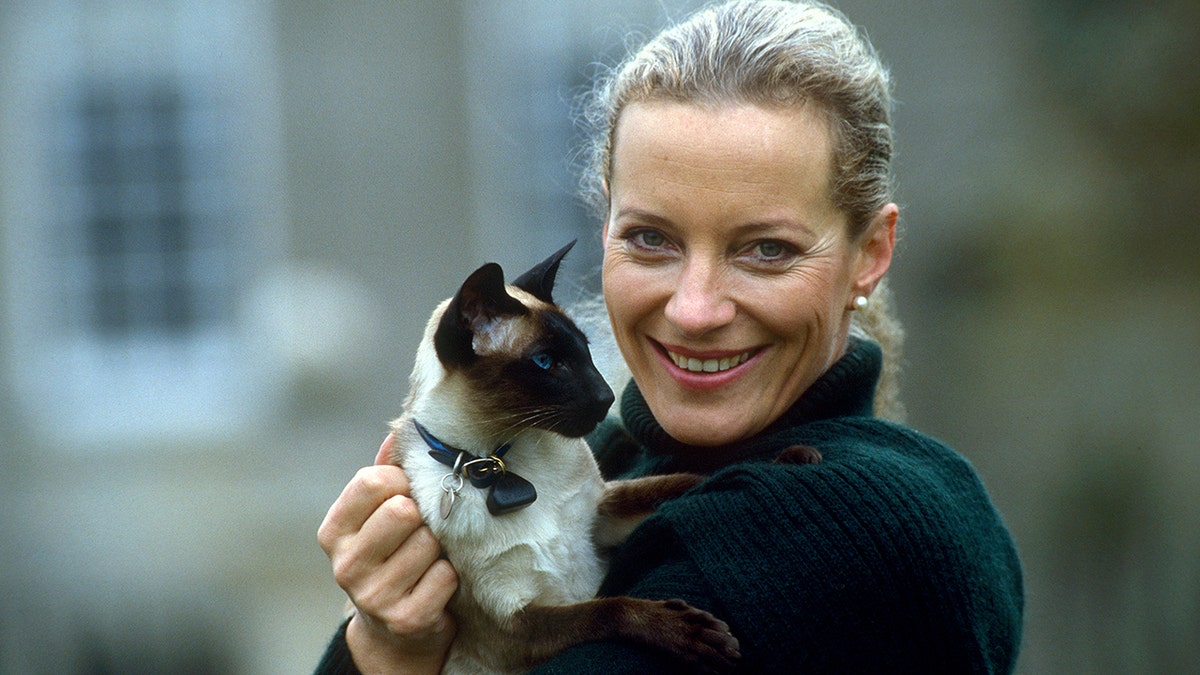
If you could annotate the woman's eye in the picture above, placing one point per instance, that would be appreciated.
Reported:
(649, 239)
(772, 251)
(648, 244)
(542, 360)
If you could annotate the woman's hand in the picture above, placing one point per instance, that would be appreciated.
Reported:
(389, 563)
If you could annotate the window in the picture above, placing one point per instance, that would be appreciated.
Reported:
(138, 191)
(129, 153)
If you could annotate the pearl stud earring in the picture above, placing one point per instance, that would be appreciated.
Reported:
(860, 301)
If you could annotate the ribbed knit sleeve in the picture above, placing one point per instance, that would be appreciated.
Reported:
(886, 557)
(337, 659)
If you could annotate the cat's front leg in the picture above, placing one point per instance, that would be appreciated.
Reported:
(671, 626)
(626, 503)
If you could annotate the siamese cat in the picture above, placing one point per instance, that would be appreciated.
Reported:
(502, 392)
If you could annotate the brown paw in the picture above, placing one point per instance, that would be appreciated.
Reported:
(799, 454)
(697, 637)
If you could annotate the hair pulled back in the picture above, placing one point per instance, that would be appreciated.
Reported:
(770, 53)
(773, 53)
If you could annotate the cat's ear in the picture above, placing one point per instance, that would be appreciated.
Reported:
(539, 281)
(477, 307)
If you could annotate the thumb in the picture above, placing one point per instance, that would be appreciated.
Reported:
(384, 456)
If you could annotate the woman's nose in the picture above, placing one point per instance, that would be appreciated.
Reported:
(699, 303)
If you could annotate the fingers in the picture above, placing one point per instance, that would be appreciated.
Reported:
(391, 548)
(400, 567)
(417, 612)
(362, 497)
(387, 560)
(433, 592)
(390, 525)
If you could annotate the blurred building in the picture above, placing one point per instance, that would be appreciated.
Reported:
(223, 224)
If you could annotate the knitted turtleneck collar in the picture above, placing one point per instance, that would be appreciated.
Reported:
(847, 389)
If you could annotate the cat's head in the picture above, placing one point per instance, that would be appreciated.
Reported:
(523, 361)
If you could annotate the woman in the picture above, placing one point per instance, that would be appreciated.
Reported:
(742, 166)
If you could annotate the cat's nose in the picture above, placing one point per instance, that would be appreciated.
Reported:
(592, 411)
(604, 401)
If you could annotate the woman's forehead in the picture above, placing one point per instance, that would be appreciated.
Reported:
(745, 150)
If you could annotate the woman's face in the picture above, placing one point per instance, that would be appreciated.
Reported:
(728, 273)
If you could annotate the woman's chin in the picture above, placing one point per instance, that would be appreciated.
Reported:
(690, 432)
(706, 419)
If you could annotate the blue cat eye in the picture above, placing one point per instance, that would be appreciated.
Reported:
(543, 360)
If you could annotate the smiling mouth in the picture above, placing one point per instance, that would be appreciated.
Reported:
(695, 365)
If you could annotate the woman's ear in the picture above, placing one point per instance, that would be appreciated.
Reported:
(875, 249)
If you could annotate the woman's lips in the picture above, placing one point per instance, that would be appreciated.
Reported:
(709, 365)
(707, 369)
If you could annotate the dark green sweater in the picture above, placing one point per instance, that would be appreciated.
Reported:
(887, 556)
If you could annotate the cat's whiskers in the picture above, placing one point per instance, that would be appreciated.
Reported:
(507, 425)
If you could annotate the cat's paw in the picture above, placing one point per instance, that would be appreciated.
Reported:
(697, 637)
(799, 454)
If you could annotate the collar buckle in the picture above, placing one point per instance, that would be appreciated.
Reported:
(507, 492)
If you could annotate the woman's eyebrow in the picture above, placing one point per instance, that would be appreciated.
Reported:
(643, 215)
(753, 226)
(768, 225)
(757, 227)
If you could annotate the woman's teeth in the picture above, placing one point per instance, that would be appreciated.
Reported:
(708, 365)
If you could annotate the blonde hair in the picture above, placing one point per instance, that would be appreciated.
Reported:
(773, 53)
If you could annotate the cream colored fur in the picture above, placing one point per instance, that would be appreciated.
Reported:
(542, 554)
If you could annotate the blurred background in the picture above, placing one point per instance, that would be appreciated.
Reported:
(224, 223)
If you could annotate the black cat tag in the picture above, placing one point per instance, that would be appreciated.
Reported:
(510, 493)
